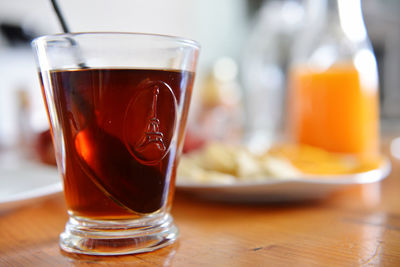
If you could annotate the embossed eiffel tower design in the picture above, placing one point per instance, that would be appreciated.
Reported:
(153, 134)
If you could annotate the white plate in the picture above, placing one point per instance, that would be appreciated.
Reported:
(23, 182)
(276, 190)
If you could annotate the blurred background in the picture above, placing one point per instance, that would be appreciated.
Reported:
(227, 31)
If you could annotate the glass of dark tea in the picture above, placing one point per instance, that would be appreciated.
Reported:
(117, 105)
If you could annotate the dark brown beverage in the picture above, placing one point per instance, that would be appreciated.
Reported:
(118, 127)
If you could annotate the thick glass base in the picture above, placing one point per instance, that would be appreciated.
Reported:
(107, 237)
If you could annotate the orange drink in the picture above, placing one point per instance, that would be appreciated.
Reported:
(334, 109)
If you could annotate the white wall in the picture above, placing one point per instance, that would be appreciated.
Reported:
(218, 25)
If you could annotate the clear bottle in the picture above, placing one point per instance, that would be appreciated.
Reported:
(333, 88)
(264, 68)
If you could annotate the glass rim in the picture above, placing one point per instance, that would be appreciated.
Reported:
(177, 39)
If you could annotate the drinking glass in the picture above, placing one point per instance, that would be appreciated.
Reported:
(117, 105)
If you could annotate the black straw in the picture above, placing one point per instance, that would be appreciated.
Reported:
(60, 16)
(66, 30)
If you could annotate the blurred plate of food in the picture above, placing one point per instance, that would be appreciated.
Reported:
(23, 182)
(27, 177)
(282, 173)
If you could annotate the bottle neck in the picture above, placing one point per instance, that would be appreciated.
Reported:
(343, 15)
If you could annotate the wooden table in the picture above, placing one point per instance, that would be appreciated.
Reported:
(356, 227)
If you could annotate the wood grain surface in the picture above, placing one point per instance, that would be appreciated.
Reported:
(359, 226)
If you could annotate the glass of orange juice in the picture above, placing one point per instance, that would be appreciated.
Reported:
(333, 82)
(334, 109)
